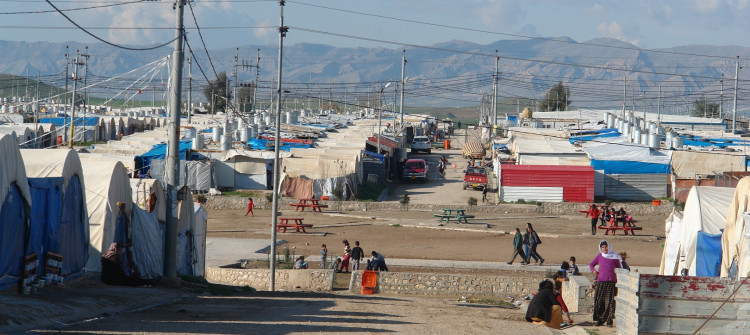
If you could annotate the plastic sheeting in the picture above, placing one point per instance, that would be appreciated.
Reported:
(148, 244)
(46, 195)
(735, 240)
(199, 236)
(13, 230)
(198, 175)
(708, 255)
(690, 164)
(146, 189)
(670, 257)
(628, 158)
(298, 188)
(705, 212)
(73, 232)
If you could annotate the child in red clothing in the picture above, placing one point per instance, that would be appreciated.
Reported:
(249, 207)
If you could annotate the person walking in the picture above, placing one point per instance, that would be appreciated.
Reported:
(603, 267)
(484, 193)
(534, 240)
(323, 256)
(593, 213)
(357, 255)
(250, 206)
(347, 255)
(527, 259)
(518, 248)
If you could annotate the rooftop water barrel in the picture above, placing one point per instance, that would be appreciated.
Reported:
(610, 122)
(677, 142)
(605, 116)
(289, 117)
(253, 131)
(226, 142)
(637, 135)
(198, 143)
(644, 138)
(244, 134)
(256, 118)
(190, 133)
(668, 140)
(240, 123)
(653, 141)
(626, 129)
(268, 118)
(216, 136)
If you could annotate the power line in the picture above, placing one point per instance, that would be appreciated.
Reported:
(101, 39)
(73, 9)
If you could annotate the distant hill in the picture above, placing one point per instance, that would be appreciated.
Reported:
(438, 77)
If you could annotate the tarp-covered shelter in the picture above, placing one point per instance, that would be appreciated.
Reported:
(735, 241)
(199, 236)
(189, 258)
(702, 220)
(328, 169)
(59, 218)
(548, 151)
(15, 202)
(691, 164)
(23, 135)
(245, 169)
(107, 184)
(628, 158)
(150, 195)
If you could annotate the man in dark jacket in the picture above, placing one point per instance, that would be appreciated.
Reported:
(357, 255)
(518, 248)
(542, 307)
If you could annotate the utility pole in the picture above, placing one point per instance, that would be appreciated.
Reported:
(85, 91)
(276, 169)
(172, 170)
(65, 103)
(705, 108)
(75, 88)
(38, 105)
(403, 87)
(213, 102)
(255, 89)
(658, 110)
(236, 80)
(624, 94)
(721, 99)
(643, 96)
(734, 108)
(190, 91)
(494, 93)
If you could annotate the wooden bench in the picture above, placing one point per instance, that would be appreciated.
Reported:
(296, 223)
(614, 229)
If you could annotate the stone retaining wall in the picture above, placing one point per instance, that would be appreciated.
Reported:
(550, 208)
(447, 284)
(316, 280)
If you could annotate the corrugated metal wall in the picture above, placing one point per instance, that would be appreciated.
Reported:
(635, 187)
(547, 194)
(599, 183)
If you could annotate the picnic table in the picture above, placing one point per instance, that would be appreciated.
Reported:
(296, 223)
(454, 213)
(614, 229)
(308, 203)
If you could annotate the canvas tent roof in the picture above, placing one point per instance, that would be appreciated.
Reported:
(705, 211)
(53, 163)
(14, 222)
(735, 241)
(689, 164)
(12, 169)
(107, 184)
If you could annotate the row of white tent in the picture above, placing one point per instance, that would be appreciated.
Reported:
(55, 200)
(711, 236)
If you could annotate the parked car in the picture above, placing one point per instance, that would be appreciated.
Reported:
(421, 143)
(416, 169)
(475, 177)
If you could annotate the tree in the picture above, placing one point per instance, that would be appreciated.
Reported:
(220, 92)
(556, 99)
(701, 107)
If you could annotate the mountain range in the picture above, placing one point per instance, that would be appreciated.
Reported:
(453, 73)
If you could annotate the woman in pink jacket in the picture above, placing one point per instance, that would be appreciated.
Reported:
(604, 296)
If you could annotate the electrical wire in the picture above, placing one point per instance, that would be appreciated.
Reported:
(73, 9)
(103, 40)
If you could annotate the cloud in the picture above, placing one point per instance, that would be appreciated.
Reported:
(264, 33)
(614, 30)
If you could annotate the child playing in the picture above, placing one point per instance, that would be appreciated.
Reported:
(336, 265)
(573, 267)
(323, 256)
(250, 207)
(300, 263)
(558, 295)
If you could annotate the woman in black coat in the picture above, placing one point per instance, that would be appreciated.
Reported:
(542, 307)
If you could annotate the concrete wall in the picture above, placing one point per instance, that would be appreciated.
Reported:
(653, 304)
(563, 208)
(578, 294)
(447, 284)
(316, 280)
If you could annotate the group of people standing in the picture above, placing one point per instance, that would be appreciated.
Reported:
(353, 256)
(525, 246)
(547, 306)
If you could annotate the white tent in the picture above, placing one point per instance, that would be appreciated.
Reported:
(190, 251)
(735, 241)
(199, 234)
(705, 211)
(107, 185)
(15, 201)
(144, 190)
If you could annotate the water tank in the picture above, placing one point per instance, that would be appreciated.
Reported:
(216, 136)
(261, 125)
(626, 129)
(637, 135)
(288, 118)
(3, 109)
(226, 142)
(618, 125)
(677, 142)
(668, 140)
(198, 143)
(269, 119)
(644, 138)
(653, 141)
(240, 123)
(244, 134)
(190, 133)
(652, 127)
(253, 131)
(256, 118)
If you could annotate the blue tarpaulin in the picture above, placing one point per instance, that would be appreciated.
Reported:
(261, 144)
(513, 119)
(13, 231)
(60, 121)
(46, 197)
(159, 151)
(630, 167)
(73, 242)
(708, 255)
(375, 155)
(593, 135)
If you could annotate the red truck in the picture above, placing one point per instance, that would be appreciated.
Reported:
(475, 177)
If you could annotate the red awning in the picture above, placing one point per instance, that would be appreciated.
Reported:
(384, 142)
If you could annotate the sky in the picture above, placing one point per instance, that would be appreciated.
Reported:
(353, 23)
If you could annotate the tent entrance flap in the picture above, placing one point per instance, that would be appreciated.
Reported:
(708, 255)
(13, 232)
